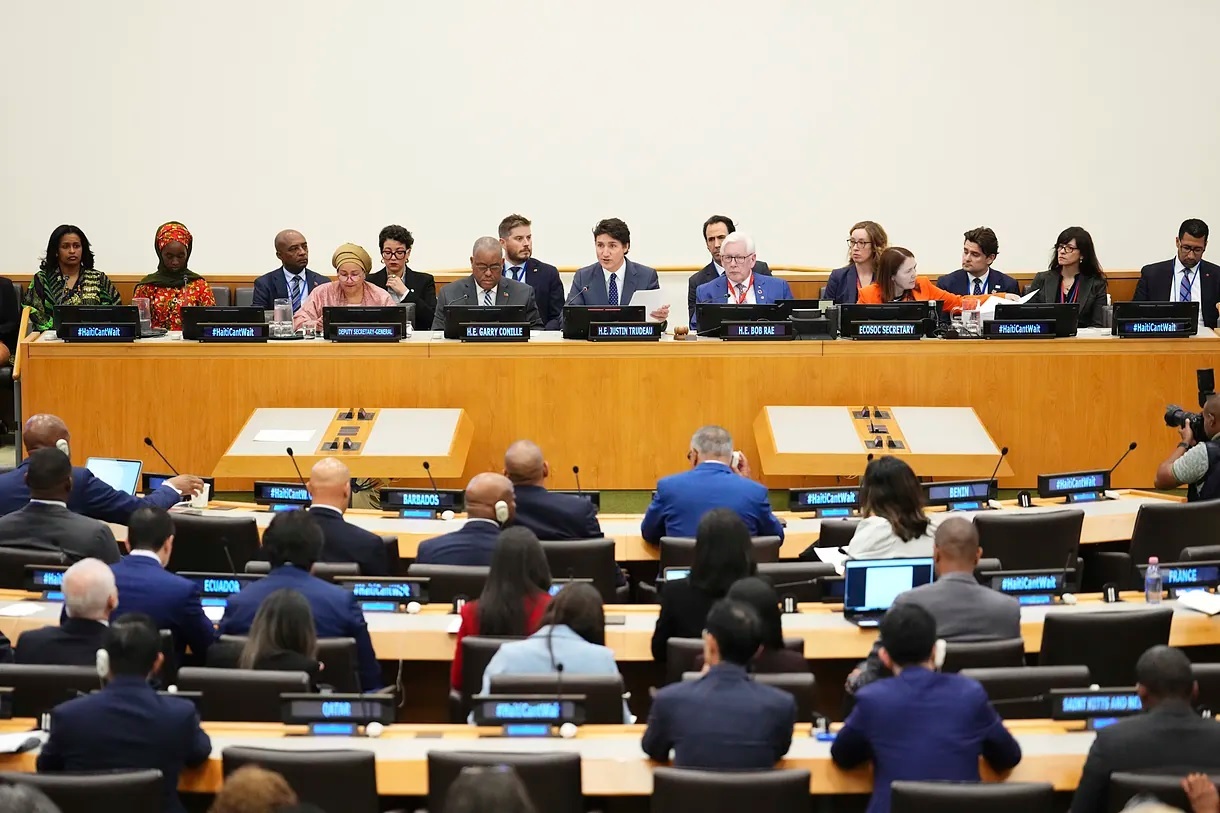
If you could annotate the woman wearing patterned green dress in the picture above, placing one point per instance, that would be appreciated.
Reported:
(67, 277)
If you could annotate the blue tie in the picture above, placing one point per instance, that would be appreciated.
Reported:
(613, 290)
(296, 292)
(1184, 289)
(978, 287)
(517, 273)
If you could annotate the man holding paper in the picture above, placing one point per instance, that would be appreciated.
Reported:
(614, 279)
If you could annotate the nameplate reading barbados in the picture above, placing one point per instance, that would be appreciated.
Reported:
(494, 332)
(624, 331)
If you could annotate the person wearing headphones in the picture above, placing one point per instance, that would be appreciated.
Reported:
(490, 505)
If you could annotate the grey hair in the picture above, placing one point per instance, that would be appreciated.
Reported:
(739, 237)
(88, 585)
(713, 441)
(487, 244)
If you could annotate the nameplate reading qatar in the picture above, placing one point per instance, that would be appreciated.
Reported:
(624, 331)
(494, 332)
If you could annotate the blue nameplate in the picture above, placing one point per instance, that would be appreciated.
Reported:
(233, 333)
(1019, 329)
(356, 332)
(756, 331)
(495, 332)
(624, 331)
(827, 502)
(98, 332)
(886, 330)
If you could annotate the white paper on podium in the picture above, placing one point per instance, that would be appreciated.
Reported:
(988, 307)
(283, 435)
(19, 610)
(651, 300)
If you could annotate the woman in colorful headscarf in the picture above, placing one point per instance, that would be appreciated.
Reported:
(173, 286)
(66, 276)
(352, 264)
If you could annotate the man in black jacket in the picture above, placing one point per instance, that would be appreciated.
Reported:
(330, 488)
(1185, 278)
(715, 229)
(90, 597)
(548, 515)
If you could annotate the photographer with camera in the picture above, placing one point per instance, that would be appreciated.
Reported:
(1196, 460)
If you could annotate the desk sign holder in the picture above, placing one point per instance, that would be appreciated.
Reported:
(756, 331)
(421, 503)
(234, 334)
(963, 495)
(1080, 486)
(872, 331)
(1155, 328)
(495, 332)
(99, 332)
(1186, 576)
(1031, 587)
(528, 715)
(825, 502)
(366, 332)
(625, 331)
(336, 714)
(385, 595)
(1019, 329)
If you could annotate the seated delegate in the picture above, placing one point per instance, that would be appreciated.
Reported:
(66, 276)
(715, 229)
(1074, 275)
(350, 288)
(487, 286)
(1185, 278)
(283, 637)
(898, 280)
(520, 264)
(976, 277)
(293, 280)
(90, 597)
(772, 656)
(866, 242)
(173, 285)
(894, 525)
(740, 285)
(403, 283)
(490, 505)
(613, 279)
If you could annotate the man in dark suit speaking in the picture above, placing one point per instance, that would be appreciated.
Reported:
(486, 286)
(330, 489)
(715, 229)
(1185, 278)
(613, 278)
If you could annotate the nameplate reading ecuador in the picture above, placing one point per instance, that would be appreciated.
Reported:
(624, 331)
(368, 332)
(100, 332)
(1155, 328)
(887, 330)
(1019, 329)
(233, 333)
(756, 331)
(494, 332)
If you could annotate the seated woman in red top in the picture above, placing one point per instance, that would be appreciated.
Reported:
(514, 598)
(173, 285)
(897, 280)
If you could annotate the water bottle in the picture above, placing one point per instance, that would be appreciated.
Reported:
(1152, 581)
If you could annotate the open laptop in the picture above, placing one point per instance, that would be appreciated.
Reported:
(119, 474)
(871, 585)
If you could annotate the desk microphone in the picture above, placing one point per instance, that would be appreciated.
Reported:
(998, 463)
(576, 472)
(293, 458)
(1130, 449)
(573, 296)
(148, 442)
(435, 490)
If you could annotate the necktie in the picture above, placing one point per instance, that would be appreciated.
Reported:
(614, 290)
(517, 273)
(978, 287)
(487, 299)
(296, 292)
(1184, 289)
(741, 292)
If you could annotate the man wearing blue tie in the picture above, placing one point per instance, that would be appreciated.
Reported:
(614, 278)
(1185, 278)
(517, 237)
(292, 280)
(976, 277)
(740, 285)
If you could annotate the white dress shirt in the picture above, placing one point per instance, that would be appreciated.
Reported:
(719, 268)
(479, 294)
(1179, 271)
(731, 293)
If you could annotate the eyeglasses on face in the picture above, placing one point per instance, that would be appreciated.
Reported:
(859, 243)
(1066, 248)
(1193, 250)
(483, 269)
(394, 253)
(734, 259)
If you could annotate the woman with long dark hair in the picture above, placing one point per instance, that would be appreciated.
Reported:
(282, 637)
(66, 276)
(1074, 275)
(892, 504)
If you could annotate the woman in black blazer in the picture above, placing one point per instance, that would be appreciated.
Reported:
(772, 657)
(1074, 275)
(282, 638)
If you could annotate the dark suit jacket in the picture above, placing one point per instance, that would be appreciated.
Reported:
(471, 545)
(842, 286)
(465, 292)
(1169, 737)
(771, 662)
(1091, 295)
(548, 290)
(681, 500)
(10, 314)
(226, 654)
(421, 290)
(74, 642)
(272, 286)
(127, 726)
(54, 525)
(345, 542)
(636, 277)
(683, 612)
(721, 721)
(958, 282)
(923, 725)
(1156, 282)
(708, 273)
(90, 496)
(335, 614)
(170, 600)
(556, 516)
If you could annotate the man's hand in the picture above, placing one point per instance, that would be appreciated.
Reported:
(740, 464)
(1012, 297)
(661, 313)
(187, 484)
(1202, 793)
(1188, 434)
(395, 285)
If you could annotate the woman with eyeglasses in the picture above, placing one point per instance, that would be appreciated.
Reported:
(352, 264)
(1074, 275)
(866, 243)
(405, 284)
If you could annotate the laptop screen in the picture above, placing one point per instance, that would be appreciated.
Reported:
(871, 585)
(121, 475)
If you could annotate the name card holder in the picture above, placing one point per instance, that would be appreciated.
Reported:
(366, 332)
(1079, 486)
(625, 331)
(98, 332)
(757, 331)
(1019, 329)
(236, 334)
(1155, 328)
(872, 331)
(495, 332)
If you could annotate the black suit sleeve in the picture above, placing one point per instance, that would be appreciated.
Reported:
(107, 547)
(692, 284)
(425, 305)
(531, 310)
(10, 314)
(1094, 782)
(1094, 316)
(593, 528)
(554, 305)
(262, 294)
(1141, 287)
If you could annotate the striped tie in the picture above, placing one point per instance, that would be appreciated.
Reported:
(296, 292)
(1184, 288)
(487, 299)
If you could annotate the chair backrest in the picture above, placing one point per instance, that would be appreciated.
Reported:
(679, 551)
(40, 687)
(682, 789)
(983, 654)
(1166, 787)
(1207, 675)
(14, 560)
(1020, 692)
(329, 571)
(168, 674)
(680, 655)
(445, 582)
(240, 695)
(969, 797)
(786, 573)
(332, 780)
(584, 559)
(207, 544)
(1109, 643)
(340, 669)
(477, 652)
(836, 533)
(244, 297)
(136, 791)
(552, 780)
(1040, 541)
(603, 693)
(392, 555)
(221, 293)
(1201, 553)
(1164, 529)
(801, 685)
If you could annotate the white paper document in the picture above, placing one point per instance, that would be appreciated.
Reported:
(19, 609)
(284, 435)
(15, 743)
(1200, 601)
(988, 307)
(651, 300)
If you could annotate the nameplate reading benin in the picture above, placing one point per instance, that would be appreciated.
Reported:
(624, 331)
(100, 332)
(756, 331)
(233, 333)
(1019, 329)
(367, 332)
(888, 330)
(495, 332)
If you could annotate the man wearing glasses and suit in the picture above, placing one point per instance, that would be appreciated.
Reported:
(486, 286)
(740, 285)
(1185, 278)
(715, 230)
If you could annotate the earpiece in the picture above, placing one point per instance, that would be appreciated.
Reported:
(938, 653)
(567, 730)
(501, 512)
(1068, 598)
(101, 661)
(62, 445)
(1023, 499)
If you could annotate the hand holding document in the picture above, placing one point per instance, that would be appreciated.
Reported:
(655, 302)
(988, 307)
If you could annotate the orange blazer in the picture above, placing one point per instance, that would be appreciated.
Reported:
(922, 292)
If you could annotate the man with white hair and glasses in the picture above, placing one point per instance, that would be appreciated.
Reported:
(740, 285)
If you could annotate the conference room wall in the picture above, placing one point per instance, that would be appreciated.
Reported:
(797, 118)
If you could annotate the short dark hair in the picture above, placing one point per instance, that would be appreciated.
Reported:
(723, 552)
(728, 223)
(50, 260)
(614, 228)
(1194, 227)
(985, 239)
(759, 594)
(511, 222)
(396, 233)
(579, 607)
(1166, 673)
(293, 538)
(908, 633)
(132, 643)
(478, 789)
(149, 527)
(48, 469)
(737, 630)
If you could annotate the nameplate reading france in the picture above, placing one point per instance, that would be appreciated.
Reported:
(624, 331)
(101, 332)
(357, 332)
(495, 332)
(233, 333)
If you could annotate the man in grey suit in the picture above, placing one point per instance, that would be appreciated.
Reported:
(486, 286)
(613, 278)
(46, 523)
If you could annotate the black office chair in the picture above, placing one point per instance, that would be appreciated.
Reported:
(333, 780)
(206, 544)
(1039, 541)
(603, 693)
(40, 687)
(329, 571)
(676, 790)
(129, 791)
(795, 574)
(1020, 692)
(836, 533)
(240, 695)
(446, 582)
(392, 555)
(586, 559)
(1201, 553)
(340, 667)
(1162, 530)
(970, 797)
(477, 652)
(14, 559)
(680, 655)
(1109, 643)
(552, 780)
(679, 551)
(1207, 675)
(983, 654)
(1166, 787)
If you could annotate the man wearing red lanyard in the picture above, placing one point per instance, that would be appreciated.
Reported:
(740, 285)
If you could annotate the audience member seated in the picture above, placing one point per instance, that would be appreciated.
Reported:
(740, 285)
(350, 288)
(715, 480)
(715, 230)
(572, 636)
(145, 586)
(723, 554)
(282, 638)
(1074, 275)
(293, 542)
(127, 726)
(723, 720)
(251, 789)
(514, 598)
(772, 657)
(481, 790)
(173, 285)
(330, 488)
(976, 277)
(490, 505)
(45, 523)
(90, 496)
(1185, 278)
(89, 598)
(1170, 737)
(865, 243)
(486, 286)
(406, 285)
(894, 525)
(66, 276)
(898, 280)
(921, 725)
(292, 280)
(548, 515)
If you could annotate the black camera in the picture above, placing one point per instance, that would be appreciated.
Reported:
(1177, 417)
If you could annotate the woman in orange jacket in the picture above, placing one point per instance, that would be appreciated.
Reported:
(897, 280)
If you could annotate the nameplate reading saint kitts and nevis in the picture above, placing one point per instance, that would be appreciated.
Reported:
(624, 331)
(494, 332)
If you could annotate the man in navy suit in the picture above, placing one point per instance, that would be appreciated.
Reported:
(723, 720)
(145, 586)
(127, 726)
(519, 264)
(740, 284)
(715, 229)
(613, 278)
(292, 280)
(920, 725)
(1185, 278)
(715, 480)
(490, 505)
(976, 277)
(90, 596)
(293, 542)
(548, 515)
(330, 489)
(90, 496)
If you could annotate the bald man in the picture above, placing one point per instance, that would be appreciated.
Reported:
(490, 505)
(549, 516)
(292, 280)
(330, 487)
(89, 496)
(1195, 462)
(486, 286)
(90, 596)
